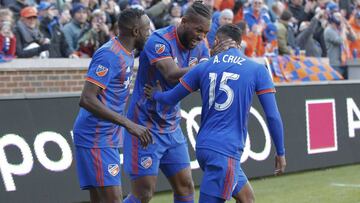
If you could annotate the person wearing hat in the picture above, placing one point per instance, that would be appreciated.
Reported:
(337, 34)
(50, 28)
(76, 26)
(282, 32)
(30, 42)
(16, 7)
(355, 24)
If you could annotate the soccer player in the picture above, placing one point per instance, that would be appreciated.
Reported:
(168, 54)
(98, 127)
(227, 83)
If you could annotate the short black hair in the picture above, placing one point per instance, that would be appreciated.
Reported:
(198, 8)
(232, 31)
(242, 26)
(129, 18)
(286, 15)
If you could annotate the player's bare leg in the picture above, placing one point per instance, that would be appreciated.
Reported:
(245, 195)
(142, 189)
(109, 194)
(94, 196)
(182, 185)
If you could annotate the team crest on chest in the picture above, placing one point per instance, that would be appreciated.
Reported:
(101, 71)
(113, 169)
(159, 48)
(193, 61)
(146, 162)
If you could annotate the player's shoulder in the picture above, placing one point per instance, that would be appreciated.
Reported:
(164, 34)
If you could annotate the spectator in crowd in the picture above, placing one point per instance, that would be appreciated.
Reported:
(271, 43)
(7, 37)
(65, 17)
(257, 17)
(282, 33)
(276, 10)
(237, 6)
(50, 28)
(224, 17)
(300, 12)
(251, 44)
(77, 26)
(336, 34)
(319, 31)
(96, 36)
(355, 45)
(174, 15)
(29, 40)
(16, 7)
(305, 39)
(156, 10)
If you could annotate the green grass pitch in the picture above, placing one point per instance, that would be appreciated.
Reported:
(334, 185)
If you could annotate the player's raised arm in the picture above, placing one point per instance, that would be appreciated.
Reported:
(90, 102)
(275, 124)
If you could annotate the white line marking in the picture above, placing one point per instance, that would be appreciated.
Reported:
(345, 185)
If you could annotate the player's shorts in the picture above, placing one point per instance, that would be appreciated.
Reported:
(169, 153)
(222, 174)
(97, 167)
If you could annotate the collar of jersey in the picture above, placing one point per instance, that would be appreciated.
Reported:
(121, 46)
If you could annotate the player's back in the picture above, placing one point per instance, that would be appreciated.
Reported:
(228, 82)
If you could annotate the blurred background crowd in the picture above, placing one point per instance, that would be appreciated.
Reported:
(76, 28)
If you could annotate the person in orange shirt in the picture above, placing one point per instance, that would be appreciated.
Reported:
(355, 25)
(252, 44)
(237, 6)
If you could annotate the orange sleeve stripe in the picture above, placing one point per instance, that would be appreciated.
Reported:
(266, 91)
(95, 82)
(159, 59)
(185, 85)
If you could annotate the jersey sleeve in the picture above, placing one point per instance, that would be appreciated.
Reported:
(102, 68)
(191, 80)
(157, 49)
(264, 83)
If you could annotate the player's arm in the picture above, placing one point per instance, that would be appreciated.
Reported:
(90, 102)
(171, 97)
(275, 124)
(170, 71)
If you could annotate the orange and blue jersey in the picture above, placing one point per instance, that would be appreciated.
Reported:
(227, 82)
(162, 44)
(111, 69)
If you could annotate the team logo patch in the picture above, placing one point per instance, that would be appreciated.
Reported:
(159, 48)
(101, 71)
(193, 61)
(146, 162)
(113, 169)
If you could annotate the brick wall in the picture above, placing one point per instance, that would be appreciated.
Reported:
(41, 76)
(42, 81)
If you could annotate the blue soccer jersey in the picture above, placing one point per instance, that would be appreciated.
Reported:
(228, 82)
(162, 44)
(111, 69)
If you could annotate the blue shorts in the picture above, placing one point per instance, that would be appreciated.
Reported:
(169, 153)
(222, 174)
(97, 167)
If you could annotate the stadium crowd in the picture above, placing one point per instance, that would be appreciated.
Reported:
(76, 28)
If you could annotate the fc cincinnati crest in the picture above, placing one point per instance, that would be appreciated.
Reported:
(159, 48)
(101, 71)
(146, 162)
(193, 61)
(113, 169)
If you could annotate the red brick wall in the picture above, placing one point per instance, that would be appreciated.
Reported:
(40, 81)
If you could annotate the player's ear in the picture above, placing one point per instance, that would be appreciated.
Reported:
(135, 31)
(216, 41)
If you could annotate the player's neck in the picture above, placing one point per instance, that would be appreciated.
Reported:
(179, 33)
(127, 42)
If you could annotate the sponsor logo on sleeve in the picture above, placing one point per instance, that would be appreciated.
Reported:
(159, 48)
(101, 71)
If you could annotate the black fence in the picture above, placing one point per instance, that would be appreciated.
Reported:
(321, 121)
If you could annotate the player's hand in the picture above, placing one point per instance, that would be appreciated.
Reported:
(280, 164)
(223, 45)
(142, 133)
(149, 90)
